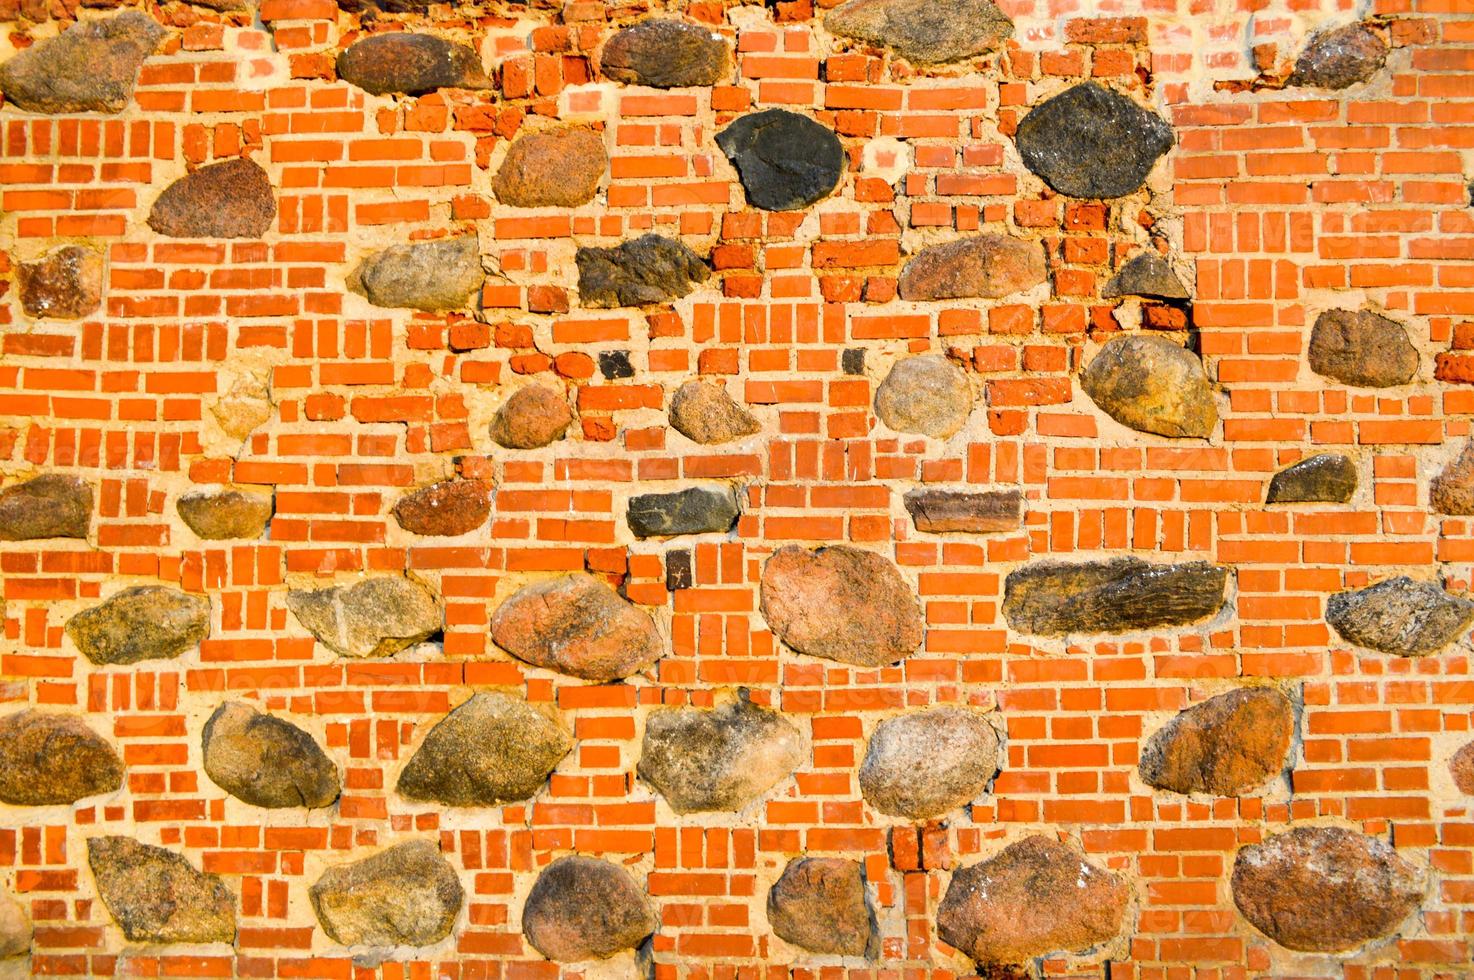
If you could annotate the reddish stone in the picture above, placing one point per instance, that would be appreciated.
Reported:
(447, 508)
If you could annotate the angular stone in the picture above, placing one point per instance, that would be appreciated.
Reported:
(785, 161)
(231, 199)
(1120, 595)
(534, 417)
(1452, 491)
(1146, 274)
(493, 749)
(1037, 896)
(1322, 478)
(583, 908)
(665, 53)
(15, 928)
(47, 759)
(405, 895)
(220, 515)
(410, 64)
(922, 31)
(1324, 889)
(444, 274)
(1225, 746)
(703, 412)
(645, 270)
(578, 626)
(92, 66)
(841, 603)
(1089, 141)
(51, 505)
(820, 905)
(446, 509)
(986, 266)
(556, 168)
(64, 284)
(1400, 616)
(245, 406)
(718, 759)
(941, 511)
(376, 617)
(146, 622)
(1340, 58)
(266, 761)
(1152, 385)
(157, 896)
(926, 395)
(695, 510)
(1461, 768)
(923, 764)
(1362, 348)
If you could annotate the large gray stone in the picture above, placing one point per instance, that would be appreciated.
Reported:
(1120, 595)
(231, 199)
(1322, 478)
(1089, 141)
(703, 412)
(923, 764)
(942, 511)
(48, 759)
(664, 53)
(146, 622)
(64, 284)
(555, 168)
(582, 908)
(720, 758)
(820, 904)
(411, 64)
(51, 505)
(985, 266)
(785, 161)
(577, 626)
(1400, 616)
(444, 274)
(1362, 349)
(1224, 746)
(640, 272)
(223, 515)
(92, 66)
(923, 31)
(1340, 58)
(1146, 274)
(405, 895)
(266, 761)
(376, 617)
(1152, 385)
(695, 510)
(925, 395)
(157, 896)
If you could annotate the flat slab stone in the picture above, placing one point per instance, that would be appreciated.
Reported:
(51, 505)
(1146, 274)
(922, 31)
(1340, 58)
(718, 759)
(231, 199)
(410, 64)
(146, 622)
(223, 515)
(1452, 490)
(1120, 595)
(1322, 478)
(91, 66)
(924, 764)
(376, 617)
(447, 508)
(1091, 142)
(48, 759)
(558, 168)
(695, 510)
(64, 284)
(405, 895)
(266, 761)
(577, 626)
(785, 161)
(493, 749)
(444, 274)
(703, 412)
(1400, 616)
(1225, 746)
(820, 904)
(1152, 385)
(983, 512)
(924, 395)
(157, 896)
(582, 908)
(640, 272)
(1362, 349)
(664, 53)
(980, 266)
(534, 417)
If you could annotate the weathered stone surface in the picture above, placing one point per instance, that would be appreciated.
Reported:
(583, 908)
(1322, 478)
(1461, 767)
(1121, 595)
(1225, 746)
(1400, 616)
(926, 395)
(15, 928)
(157, 896)
(923, 31)
(785, 161)
(51, 505)
(219, 515)
(721, 758)
(146, 622)
(410, 64)
(925, 763)
(1452, 491)
(1340, 58)
(92, 66)
(493, 749)
(447, 508)
(230, 199)
(48, 758)
(987, 266)
(941, 511)
(645, 270)
(444, 274)
(703, 412)
(1362, 348)
(1036, 896)
(1152, 385)
(841, 603)
(664, 53)
(578, 626)
(820, 905)
(406, 895)
(535, 416)
(695, 510)
(245, 406)
(1146, 274)
(266, 761)
(556, 168)
(1089, 141)
(1324, 889)
(376, 617)
(64, 284)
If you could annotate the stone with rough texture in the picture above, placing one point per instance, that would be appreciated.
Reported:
(1152, 385)
(1461, 768)
(983, 512)
(1400, 616)
(923, 31)
(1340, 58)
(266, 761)
(447, 508)
(923, 764)
(157, 896)
(665, 53)
(444, 274)
(92, 66)
(47, 758)
(534, 417)
(640, 272)
(1036, 896)
(819, 904)
(1224, 746)
(583, 908)
(15, 928)
(64, 284)
(1362, 348)
(982, 266)
(410, 64)
(220, 515)
(1322, 478)
(376, 617)
(578, 626)
(51, 505)
(695, 510)
(1452, 490)
(230, 199)
(1089, 141)
(785, 161)
(493, 749)
(556, 168)
(1120, 595)
(405, 895)
(718, 759)
(703, 412)
(146, 622)
(841, 603)
(1146, 274)
(925, 395)
(1324, 889)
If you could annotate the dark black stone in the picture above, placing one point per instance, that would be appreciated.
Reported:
(1091, 142)
(645, 270)
(615, 364)
(853, 360)
(695, 510)
(786, 161)
(1323, 478)
(1117, 596)
(679, 571)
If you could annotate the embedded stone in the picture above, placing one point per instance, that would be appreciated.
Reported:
(376, 617)
(1322, 478)
(557, 168)
(15, 928)
(645, 270)
(446, 509)
(819, 904)
(1324, 889)
(785, 161)
(410, 64)
(578, 626)
(1362, 349)
(1146, 274)
(921, 31)
(1461, 768)
(64, 284)
(1400, 616)
(92, 66)
(1152, 385)
(665, 53)
(266, 761)
(942, 511)
(157, 896)
(534, 417)
(1121, 595)
(841, 603)
(246, 404)
(583, 908)
(1452, 491)
(718, 759)
(1340, 58)
(220, 515)
(1037, 896)
(926, 395)
(703, 412)
(444, 274)
(231, 199)
(48, 759)
(146, 622)
(493, 749)
(926, 763)
(405, 895)
(1089, 141)
(986, 266)
(1225, 746)
(695, 510)
(51, 505)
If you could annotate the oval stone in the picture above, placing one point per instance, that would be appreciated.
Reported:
(820, 904)
(785, 161)
(924, 32)
(92, 66)
(491, 750)
(1400, 616)
(146, 622)
(1152, 385)
(64, 284)
(51, 505)
(1091, 142)
(1120, 595)
(444, 274)
(447, 508)
(231, 199)
(577, 626)
(1362, 349)
(695, 510)
(718, 759)
(557, 168)
(410, 64)
(981, 266)
(222, 515)
(376, 617)
(534, 417)
(1322, 478)
(665, 53)
(266, 761)
(841, 603)
(157, 896)
(646, 270)
(1340, 58)
(582, 908)
(1461, 768)
(925, 395)
(405, 895)
(924, 764)
(1226, 746)
(703, 412)
(47, 759)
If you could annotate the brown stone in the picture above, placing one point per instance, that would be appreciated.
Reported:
(1461, 767)
(493, 749)
(819, 904)
(535, 416)
(266, 761)
(231, 199)
(556, 168)
(665, 53)
(925, 395)
(1452, 491)
(1119, 595)
(982, 266)
(376, 617)
(410, 64)
(984, 512)
(703, 412)
(47, 759)
(157, 896)
(1340, 58)
(15, 928)
(64, 284)
(443, 274)
(583, 908)
(923, 764)
(92, 66)
(448, 508)
(1362, 349)
(1225, 746)
(922, 31)
(1152, 385)
(640, 272)
(51, 505)
(577, 626)
(405, 895)
(1146, 274)
(146, 622)
(222, 515)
